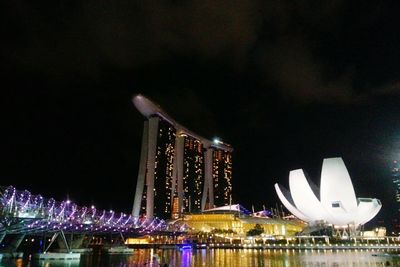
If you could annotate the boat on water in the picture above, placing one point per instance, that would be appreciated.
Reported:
(186, 246)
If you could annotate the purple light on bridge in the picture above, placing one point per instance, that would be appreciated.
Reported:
(29, 213)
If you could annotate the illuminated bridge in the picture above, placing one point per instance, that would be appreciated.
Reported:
(23, 213)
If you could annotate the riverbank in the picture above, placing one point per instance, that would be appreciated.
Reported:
(278, 246)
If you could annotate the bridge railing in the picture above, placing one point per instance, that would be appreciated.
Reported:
(33, 213)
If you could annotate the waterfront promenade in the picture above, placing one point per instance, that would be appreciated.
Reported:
(223, 258)
(357, 246)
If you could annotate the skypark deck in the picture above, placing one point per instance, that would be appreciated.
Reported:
(149, 108)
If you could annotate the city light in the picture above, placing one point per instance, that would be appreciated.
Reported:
(53, 216)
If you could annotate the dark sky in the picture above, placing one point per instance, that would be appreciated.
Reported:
(287, 83)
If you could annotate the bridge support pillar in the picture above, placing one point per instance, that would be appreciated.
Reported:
(14, 244)
(70, 242)
(77, 241)
(61, 243)
(2, 235)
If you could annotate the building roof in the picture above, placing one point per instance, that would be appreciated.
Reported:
(230, 208)
(261, 220)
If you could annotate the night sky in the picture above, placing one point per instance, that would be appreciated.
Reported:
(287, 83)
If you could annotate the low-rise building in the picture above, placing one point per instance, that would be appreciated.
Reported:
(233, 219)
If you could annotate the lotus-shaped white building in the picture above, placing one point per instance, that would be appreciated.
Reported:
(334, 203)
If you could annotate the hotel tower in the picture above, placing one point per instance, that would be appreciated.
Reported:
(179, 171)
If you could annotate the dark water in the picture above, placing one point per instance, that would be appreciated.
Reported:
(222, 257)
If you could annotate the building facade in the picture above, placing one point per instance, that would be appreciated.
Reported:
(193, 174)
(396, 181)
(240, 225)
(179, 171)
(333, 203)
(222, 177)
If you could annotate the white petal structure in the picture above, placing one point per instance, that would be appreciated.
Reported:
(335, 203)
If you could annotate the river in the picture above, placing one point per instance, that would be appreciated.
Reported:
(221, 257)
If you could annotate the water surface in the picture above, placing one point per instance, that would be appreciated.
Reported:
(221, 257)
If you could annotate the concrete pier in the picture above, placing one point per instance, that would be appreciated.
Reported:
(57, 256)
(118, 250)
(75, 250)
(11, 255)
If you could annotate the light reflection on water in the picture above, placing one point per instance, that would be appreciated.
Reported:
(221, 257)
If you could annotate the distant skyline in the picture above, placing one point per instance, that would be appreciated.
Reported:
(287, 84)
